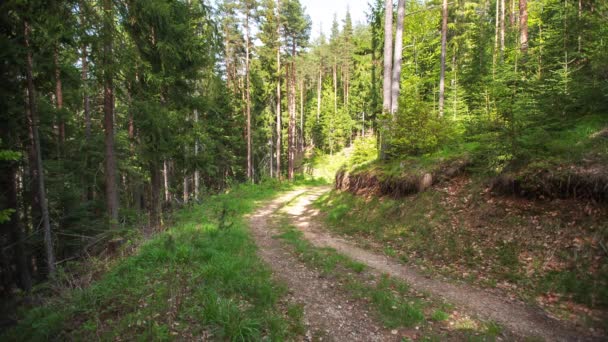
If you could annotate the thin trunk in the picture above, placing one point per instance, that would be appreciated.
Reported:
(248, 100)
(59, 97)
(291, 81)
(35, 122)
(580, 16)
(396, 81)
(444, 35)
(166, 182)
(496, 35)
(388, 55)
(186, 193)
(302, 116)
(196, 171)
(108, 122)
(155, 205)
(319, 86)
(523, 25)
(502, 29)
(85, 96)
(335, 91)
(278, 144)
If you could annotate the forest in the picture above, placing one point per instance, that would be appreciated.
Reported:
(138, 138)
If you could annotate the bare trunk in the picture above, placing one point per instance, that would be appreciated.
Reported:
(396, 81)
(580, 17)
(34, 122)
(444, 34)
(279, 126)
(248, 101)
(388, 55)
(186, 193)
(155, 205)
(108, 122)
(523, 25)
(291, 104)
(335, 90)
(496, 35)
(166, 182)
(59, 97)
(301, 116)
(319, 88)
(502, 29)
(85, 96)
(196, 172)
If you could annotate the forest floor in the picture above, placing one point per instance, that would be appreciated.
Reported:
(352, 293)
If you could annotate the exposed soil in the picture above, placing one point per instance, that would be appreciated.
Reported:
(521, 319)
(329, 314)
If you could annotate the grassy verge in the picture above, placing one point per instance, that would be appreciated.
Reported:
(397, 306)
(194, 279)
(549, 253)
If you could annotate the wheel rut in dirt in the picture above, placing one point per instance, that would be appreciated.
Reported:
(328, 312)
(521, 319)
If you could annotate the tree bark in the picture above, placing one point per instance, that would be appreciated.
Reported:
(196, 171)
(155, 205)
(248, 100)
(108, 118)
(59, 97)
(502, 29)
(523, 25)
(388, 55)
(279, 126)
(396, 81)
(166, 182)
(291, 104)
(496, 37)
(319, 86)
(444, 35)
(34, 122)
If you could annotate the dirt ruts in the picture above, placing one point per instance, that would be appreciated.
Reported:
(337, 316)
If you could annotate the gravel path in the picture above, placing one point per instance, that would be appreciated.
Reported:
(521, 319)
(329, 314)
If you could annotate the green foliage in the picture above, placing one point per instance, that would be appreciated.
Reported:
(190, 279)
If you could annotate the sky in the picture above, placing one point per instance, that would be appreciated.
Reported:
(322, 12)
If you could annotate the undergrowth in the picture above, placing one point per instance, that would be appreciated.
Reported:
(193, 279)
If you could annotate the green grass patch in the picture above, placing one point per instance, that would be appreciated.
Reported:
(191, 280)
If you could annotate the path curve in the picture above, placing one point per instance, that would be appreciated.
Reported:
(328, 313)
(521, 319)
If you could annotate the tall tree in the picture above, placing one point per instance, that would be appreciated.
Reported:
(444, 38)
(397, 59)
(388, 55)
(34, 122)
(108, 113)
(523, 25)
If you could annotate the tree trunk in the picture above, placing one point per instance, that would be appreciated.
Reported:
(86, 105)
(291, 104)
(301, 116)
(319, 86)
(155, 205)
(523, 25)
(279, 126)
(248, 100)
(59, 97)
(496, 35)
(502, 29)
(388, 55)
(196, 171)
(108, 121)
(34, 122)
(166, 182)
(396, 81)
(444, 37)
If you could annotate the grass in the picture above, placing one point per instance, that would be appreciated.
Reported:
(491, 244)
(394, 302)
(191, 280)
